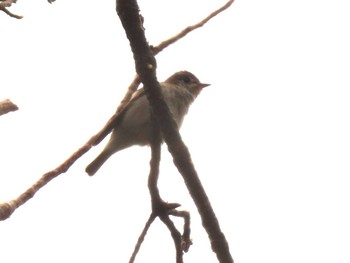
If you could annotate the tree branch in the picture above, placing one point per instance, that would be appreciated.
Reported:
(142, 237)
(159, 208)
(186, 241)
(175, 234)
(188, 29)
(145, 62)
(7, 106)
(8, 3)
(7, 208)
(155, 49)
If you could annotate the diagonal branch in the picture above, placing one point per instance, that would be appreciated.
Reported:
(8, 3)
(142, 237)
(156, 49)
(188, 29)
(6, 209)
(175, 235)
(146, 69)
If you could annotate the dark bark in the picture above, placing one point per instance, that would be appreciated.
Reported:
(128, 12)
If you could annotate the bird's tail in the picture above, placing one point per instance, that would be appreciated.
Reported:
(96, 164)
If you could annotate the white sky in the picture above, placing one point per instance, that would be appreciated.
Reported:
(269, 138)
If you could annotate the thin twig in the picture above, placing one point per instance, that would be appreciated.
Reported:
(145, 62)
(186, 239)
(6, 209)
(175, 234)
(7, 106)
(188, 29)
(142, 237)
(8, 3)
(156, 50)
(159, 208)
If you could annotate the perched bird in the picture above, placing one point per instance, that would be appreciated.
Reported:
(134, 126)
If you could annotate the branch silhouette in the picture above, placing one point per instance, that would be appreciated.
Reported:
(7, 208)
(7, 106)
(155, 49)
(7, 3)
(145, 63)
(159, 207)
(145, 67)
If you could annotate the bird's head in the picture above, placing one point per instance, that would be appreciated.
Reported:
(187, 80)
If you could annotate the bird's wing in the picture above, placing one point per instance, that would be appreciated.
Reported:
(116, 118)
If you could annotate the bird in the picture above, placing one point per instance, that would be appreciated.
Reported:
(134, 126)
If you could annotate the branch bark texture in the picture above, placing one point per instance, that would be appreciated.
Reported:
(128, 12)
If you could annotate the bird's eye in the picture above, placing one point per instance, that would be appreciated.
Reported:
(186, 79)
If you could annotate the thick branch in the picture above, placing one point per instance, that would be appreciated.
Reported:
(128, 12)
(156, 49)
(6, 209)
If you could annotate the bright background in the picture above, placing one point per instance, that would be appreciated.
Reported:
(270, 137)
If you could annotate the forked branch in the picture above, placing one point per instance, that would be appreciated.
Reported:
(155, 49)
(145, 62)
(159, 207)
(6, 209)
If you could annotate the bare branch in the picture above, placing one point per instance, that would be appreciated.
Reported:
(186, 241)
(7, 106)
(156, 49)
(175, 235)
(8, 3)
(146, 69)
(6, 209)
(142, 237)
(188, 29)
(159, 208)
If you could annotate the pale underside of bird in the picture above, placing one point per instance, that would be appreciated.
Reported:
(134, 126)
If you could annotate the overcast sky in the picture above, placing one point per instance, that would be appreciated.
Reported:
(269, 137)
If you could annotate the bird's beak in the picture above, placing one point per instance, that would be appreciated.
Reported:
(203, 85)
